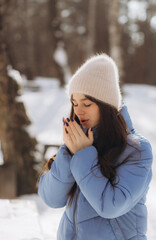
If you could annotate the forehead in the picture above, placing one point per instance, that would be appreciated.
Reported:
(79, 97)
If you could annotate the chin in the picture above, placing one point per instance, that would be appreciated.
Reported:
(86, 126)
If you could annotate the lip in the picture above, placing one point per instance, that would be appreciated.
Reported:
(84, 121)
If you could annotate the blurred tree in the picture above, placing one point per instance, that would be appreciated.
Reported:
(91, 28)
(35, 29)
(72, 15)
(17, 146)
(84, 29)
(138, 41)
(97, 27)
(31, 38)
(102, 27)
(115, 35)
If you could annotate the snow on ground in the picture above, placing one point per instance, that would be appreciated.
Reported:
(19, 220)
(46, 104)
(46, 107)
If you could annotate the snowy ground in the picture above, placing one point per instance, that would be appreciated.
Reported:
(46, 108)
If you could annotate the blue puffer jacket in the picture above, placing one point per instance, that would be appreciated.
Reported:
(100, 211)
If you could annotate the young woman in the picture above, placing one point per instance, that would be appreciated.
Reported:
(103, 170)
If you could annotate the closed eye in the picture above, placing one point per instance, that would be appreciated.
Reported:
(74, 105)
(87, 105)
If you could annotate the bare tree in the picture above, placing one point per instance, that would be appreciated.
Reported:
(91, 28)
(84, 27)
(31, 39)
(102, 26)
(17, 146)
(114, 34)
(97, 27)
(73, 30)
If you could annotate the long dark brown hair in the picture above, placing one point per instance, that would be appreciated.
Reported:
(110, 143)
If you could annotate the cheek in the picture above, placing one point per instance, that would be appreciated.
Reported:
(75, 111)
(97, 116)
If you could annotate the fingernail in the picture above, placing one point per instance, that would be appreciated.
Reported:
(67, 124)
(66, 130)
(72, 119)
(68, 119)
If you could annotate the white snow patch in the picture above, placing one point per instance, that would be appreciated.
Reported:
(15, 75)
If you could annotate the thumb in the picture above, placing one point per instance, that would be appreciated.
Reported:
(90, 135)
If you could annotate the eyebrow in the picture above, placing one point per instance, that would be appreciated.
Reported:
(83, 99)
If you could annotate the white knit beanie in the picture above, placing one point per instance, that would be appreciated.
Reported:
(97, 77)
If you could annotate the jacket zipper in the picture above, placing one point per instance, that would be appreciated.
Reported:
(75, 215)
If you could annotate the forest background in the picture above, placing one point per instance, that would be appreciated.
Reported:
(33, 33)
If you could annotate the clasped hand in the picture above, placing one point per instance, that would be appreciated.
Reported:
(74, 137)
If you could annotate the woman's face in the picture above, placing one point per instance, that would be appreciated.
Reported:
(87, 111)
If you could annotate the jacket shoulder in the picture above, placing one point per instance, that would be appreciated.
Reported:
(139, 145)
(139, 141)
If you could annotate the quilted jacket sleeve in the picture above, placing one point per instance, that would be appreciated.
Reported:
(134, 179)
(56, 183)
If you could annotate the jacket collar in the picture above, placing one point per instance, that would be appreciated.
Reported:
(125, 114)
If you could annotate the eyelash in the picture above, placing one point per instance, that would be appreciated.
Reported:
(74, 105)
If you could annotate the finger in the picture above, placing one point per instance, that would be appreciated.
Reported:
(71, 132)
(66, 136)
(64, 123)
(90, 135)
(63, 127)
(68, 141)
(69, 124)
(76, 128)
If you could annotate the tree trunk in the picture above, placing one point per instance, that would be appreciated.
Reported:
(31, 38)
(102, 27)
(91, 28)
(73, 32)
(17, 146)
(3, 84)
(115, 35)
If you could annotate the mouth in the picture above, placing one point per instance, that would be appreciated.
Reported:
(84, 121)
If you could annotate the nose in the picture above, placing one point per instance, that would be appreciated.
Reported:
(79, 111)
